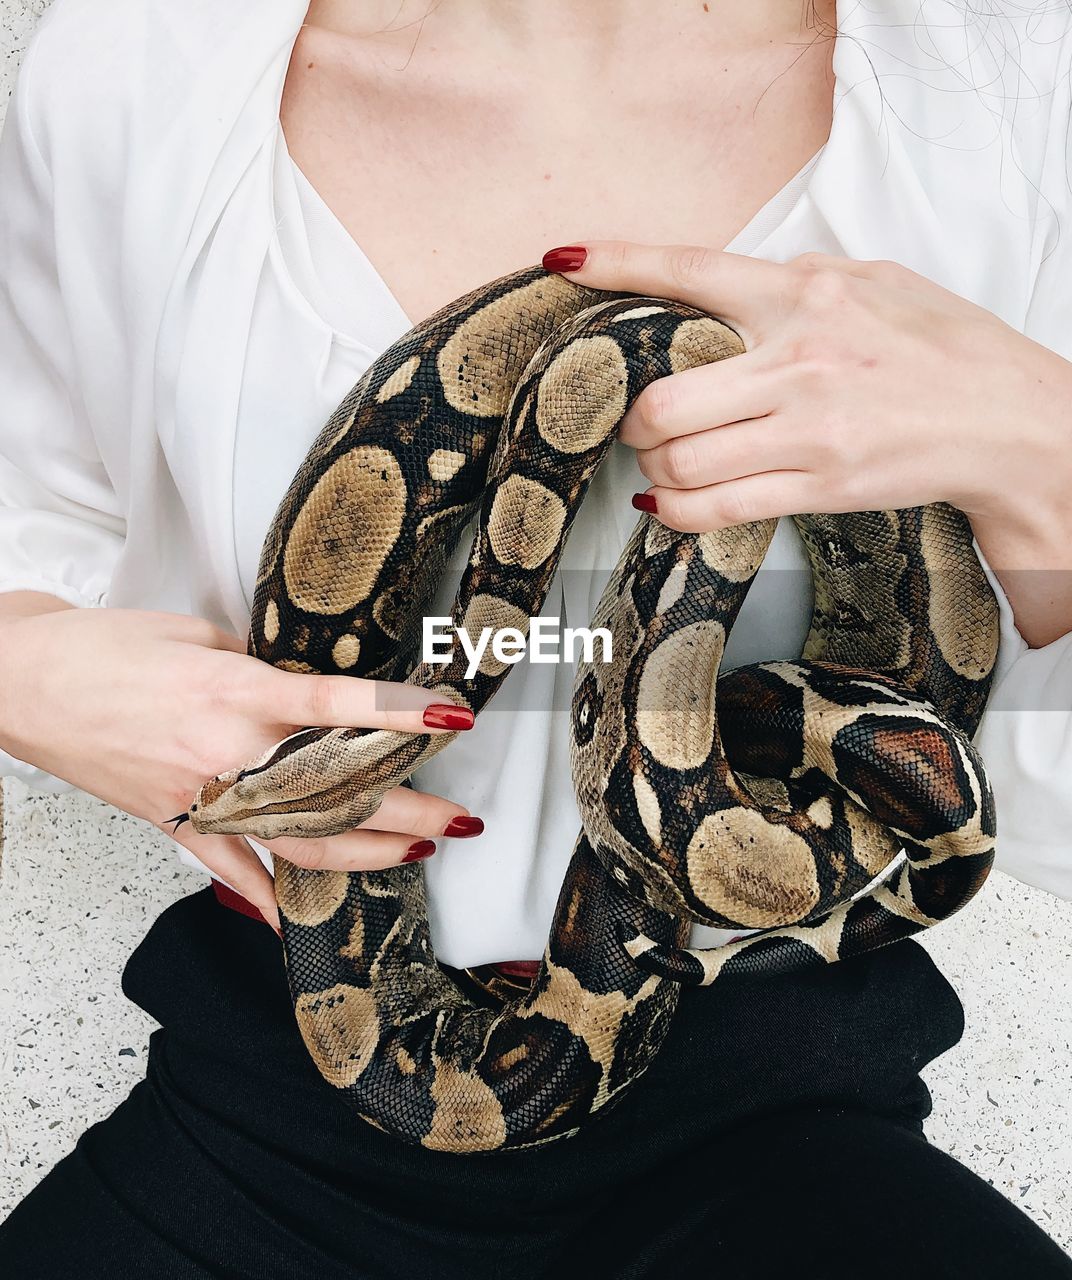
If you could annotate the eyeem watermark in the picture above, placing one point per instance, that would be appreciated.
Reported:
(547, 641)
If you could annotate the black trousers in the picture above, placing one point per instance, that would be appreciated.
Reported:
(779, 1132)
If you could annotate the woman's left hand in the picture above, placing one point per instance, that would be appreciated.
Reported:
(864, 386)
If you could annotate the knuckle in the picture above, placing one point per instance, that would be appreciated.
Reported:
(615, 255)
(819, 281)
(807, 263)
(431, 815)
(394, 719)
(732, 508)
(885, 271)
(688, 265)
(680, 462)
(657, 404)
(825, 288)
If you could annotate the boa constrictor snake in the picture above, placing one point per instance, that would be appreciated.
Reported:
(506, 402)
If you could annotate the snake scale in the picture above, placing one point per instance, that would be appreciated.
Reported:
(502, 405)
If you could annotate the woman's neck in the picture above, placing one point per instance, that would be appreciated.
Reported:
(572, 32)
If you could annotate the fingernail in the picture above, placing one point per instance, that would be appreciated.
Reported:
(447, 716)
(569, 257)
(422, 849)
(464, 827)
(644, 502)
(519, 968)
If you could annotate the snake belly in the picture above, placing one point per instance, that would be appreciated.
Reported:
(503, 405)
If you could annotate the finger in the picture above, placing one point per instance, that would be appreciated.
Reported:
(357, 850)
(232, 859)
(720, 506)
(346, 701)
(416, 813)
(732, 286)
(725, 453)
(697, 399)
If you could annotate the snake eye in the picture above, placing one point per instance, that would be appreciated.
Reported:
(586, 708)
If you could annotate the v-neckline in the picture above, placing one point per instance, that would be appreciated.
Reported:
(771, 216)
(329, 238)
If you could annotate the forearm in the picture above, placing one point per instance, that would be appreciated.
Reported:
(28, 604)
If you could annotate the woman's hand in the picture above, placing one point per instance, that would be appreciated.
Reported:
(140, 708)
(864, 386)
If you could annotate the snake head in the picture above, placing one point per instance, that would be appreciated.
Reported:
(315, 783)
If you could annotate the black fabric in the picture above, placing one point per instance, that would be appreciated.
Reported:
(779, 1131)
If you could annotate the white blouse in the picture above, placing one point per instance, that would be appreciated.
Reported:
(180, 313)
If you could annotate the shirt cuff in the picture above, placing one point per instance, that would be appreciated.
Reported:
(1025, 739)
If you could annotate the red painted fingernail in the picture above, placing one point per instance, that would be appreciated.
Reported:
(464, 827)
(569, 257)
(644, 502)
(519, 968)
(447, 716)
(422, 849)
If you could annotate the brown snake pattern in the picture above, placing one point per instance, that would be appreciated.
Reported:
(505, 403)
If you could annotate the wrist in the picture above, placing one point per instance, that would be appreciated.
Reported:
(1015, 475)
(1031, 556)
(21, 649)
(1023, 535)
(12, 656)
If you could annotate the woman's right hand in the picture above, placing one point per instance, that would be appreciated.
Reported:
(140, 708)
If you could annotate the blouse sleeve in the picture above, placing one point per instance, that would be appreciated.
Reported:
(61, 527)
(1026, 735)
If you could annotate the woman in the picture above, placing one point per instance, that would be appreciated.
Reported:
(185, 187)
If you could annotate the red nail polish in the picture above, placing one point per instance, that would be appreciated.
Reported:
(644, 502)
(568, 258)
(448, 716)
(519, 968)
(422, 849)
(464, 827)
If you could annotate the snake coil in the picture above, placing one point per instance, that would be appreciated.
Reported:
(505, 403)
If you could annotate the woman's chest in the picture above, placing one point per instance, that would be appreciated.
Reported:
(449, 181)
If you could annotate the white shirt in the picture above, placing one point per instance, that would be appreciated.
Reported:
(179, 315)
